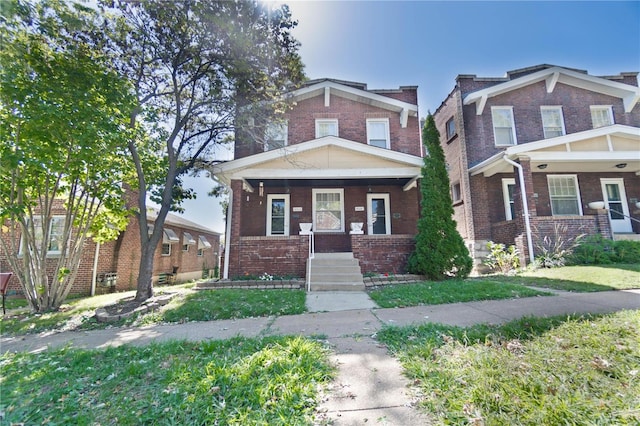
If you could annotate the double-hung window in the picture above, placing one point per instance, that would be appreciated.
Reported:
(56, 231)
(328, 210)
(552, 121)
(564, 195)
(504, 129)
(601, 115)
(378, 132)
(278, 214)
(276, 135)
(451, 128)
(326, 127)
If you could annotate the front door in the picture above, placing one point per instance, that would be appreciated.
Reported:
(615, 200)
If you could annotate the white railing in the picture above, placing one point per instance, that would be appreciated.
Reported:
(312, 253)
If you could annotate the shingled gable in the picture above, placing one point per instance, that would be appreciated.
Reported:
(314, 159)
(553, 75)
(596, 150)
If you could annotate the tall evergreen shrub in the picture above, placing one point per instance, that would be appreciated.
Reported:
(440, 251)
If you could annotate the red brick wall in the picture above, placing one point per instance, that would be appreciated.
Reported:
(273, 255)
(383, 253)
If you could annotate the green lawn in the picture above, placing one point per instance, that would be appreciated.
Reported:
(239, 381)
(548, 371)
(583, 278)
(451, 291)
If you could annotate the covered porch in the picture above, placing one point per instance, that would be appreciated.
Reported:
(352, 197)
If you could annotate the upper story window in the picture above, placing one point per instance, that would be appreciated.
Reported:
(564, 195)
(601, 115)
(504, 129)
(378, 132)
(552, 121)
(275, 135)
(451, 128)
(326, 127)
(456, 192)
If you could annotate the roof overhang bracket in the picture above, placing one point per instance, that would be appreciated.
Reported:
(630, 101)
(247, 186)
(327, 96)
(480, 103)
(411, 184)
(551, 81)
(404, 117)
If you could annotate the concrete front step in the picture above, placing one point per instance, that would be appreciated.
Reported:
(335, 272)
(626, 236)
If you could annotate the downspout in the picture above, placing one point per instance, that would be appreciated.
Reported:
(525, 205)
(227, 238)
(94, 276)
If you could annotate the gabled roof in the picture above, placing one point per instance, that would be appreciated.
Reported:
(323, 158)
(553, 75)
(356, 92)
(175, 220)
(596, 150)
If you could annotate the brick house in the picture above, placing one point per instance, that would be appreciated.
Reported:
(343, 164)
(563, 137)
(187, 249)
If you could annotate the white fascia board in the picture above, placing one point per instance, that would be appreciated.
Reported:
(629, 94)
(487, 164)
(353, 93)
(356, 173)
(615, 130)
(578, 156)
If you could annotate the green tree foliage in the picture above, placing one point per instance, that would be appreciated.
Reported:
(61, 145)
(440, 251)
(194, 65)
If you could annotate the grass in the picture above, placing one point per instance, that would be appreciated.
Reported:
(239, 381)
(188, 305)
(452, 291)
(583, 278)
(534, 371)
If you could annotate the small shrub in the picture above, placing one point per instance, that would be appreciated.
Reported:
(594, 250)
(504, 260)
(627, 251)
(555, 250)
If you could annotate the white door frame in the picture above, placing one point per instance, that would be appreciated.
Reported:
(617, 225)
(387, 212)
(270, 198)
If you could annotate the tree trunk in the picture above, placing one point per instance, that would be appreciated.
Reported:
(144, 289)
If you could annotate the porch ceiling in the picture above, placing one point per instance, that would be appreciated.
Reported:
(611, 149)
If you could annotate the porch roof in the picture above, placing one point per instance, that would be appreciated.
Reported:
(606, 149)
(329, 157)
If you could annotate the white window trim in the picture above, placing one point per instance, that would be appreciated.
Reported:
(340, 191)
(446, 128)
(326, 120)
(387, 212)
(505, 196)
(513, 125)
(579, 197)
(286, 198)
(284, 126)
(50, 253)
(608, 108)
(162, 247)
(553, 108)
(387, 133)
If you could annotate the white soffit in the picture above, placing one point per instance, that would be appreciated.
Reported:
(629, 94)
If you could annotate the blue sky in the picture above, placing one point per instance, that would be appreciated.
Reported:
(387, 44)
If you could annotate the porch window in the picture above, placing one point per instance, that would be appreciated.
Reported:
(552, 121)
(276, 135)
(328, 210)
(326, 127)
(378, 214)
(378, 132)
(504, 129)
(277, 214)
(601, 115)
(564, 195)
(508, 188)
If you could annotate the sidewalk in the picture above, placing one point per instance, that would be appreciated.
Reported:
(370, 386)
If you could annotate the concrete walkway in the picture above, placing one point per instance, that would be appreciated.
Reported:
(370, 387)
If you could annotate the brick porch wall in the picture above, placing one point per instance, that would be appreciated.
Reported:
(383, 253)
(273, 255)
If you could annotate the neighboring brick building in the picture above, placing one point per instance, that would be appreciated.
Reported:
(574, 139)
(185, 253)
(345, 155)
